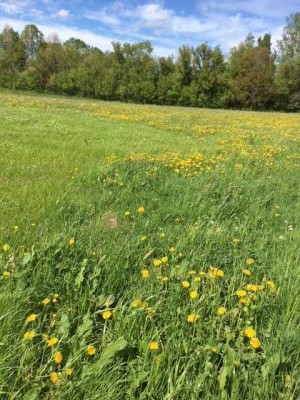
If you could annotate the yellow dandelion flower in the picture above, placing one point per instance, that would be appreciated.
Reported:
(270, 284)
(58, 357)
(31, 318)
(71, 242)
(164, 260)
(235, 241)
(69, 371)
(136, 303)
(127, 213)
(185, 284)
(192, 272)
(162, 235)
(250, 261)
(150, 311)
(249, 332)
(52, 342)
(90, 350)
(156, 263)
(54, 377)
(245, 300)
(143, 238)
(246, 272)
(255, 343)
(194, 295)
(153, 346)
(197, 279)
(241, 293)
(6, 247)
(6, 274)
(106, 314)
(46, 301)
(141, 210)
(251, 288)
(221, 310)
(165, 279)
(145, 273)
(214, 349)
(28, 335)
(193, 318)
(172, 249)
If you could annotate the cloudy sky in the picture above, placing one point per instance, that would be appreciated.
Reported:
(167, 24)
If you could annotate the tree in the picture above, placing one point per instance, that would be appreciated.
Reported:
(289, 45)
(33, 39)
(251, 73)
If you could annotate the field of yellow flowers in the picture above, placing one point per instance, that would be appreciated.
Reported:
(147, 252)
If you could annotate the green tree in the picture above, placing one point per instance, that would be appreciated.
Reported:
(33, 39)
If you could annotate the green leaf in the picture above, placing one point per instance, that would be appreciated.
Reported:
(111, 350)
(85, 329)
(80, 277)
(64, 325)
(32, 394)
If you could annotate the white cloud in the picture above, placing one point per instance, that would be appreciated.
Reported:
(103, 17)
(93, 39)
(63, 13)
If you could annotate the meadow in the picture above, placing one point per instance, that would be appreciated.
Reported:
(147, 252)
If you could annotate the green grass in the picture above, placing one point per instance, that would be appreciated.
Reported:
(71, 168)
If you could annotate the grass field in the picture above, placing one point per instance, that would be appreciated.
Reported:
(147, 252)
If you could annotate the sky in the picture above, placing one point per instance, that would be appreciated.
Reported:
(168, 24)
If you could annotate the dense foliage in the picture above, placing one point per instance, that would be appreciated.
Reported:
(251, 77)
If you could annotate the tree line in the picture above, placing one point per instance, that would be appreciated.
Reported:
(253, 76)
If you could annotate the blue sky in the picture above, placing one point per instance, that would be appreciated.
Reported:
(167, 24)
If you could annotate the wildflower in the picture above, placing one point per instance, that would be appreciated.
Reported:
(246, 272)
(153, 346)
(164, 260)
(157, 263)
(213, 349)
(172, 249)
(235, 241)
(106, 314)
(255, 343)
(58, 357)
(5, 247)
(6, 274)
(69, 371)
(250, 261)
(51, 342)
(141, 210)
(185, 284)
(251, 288)
(31, 318)
(215, 272)
(54, 377)
(127, 213)
(197, 279)
(194, 295)
(145, 273)
(143, 238)
(162, 234)
(150, 311)
(165, 279)
(46, 301)
(90, 350)
(192, 272)
(71, 242)
(241, 293)
(136, 303)
(221, 310)
(249, 332)
(245, 300)
(192, 318)
(28, 335)
(270, 284)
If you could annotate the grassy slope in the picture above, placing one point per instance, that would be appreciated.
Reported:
(55, 175)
